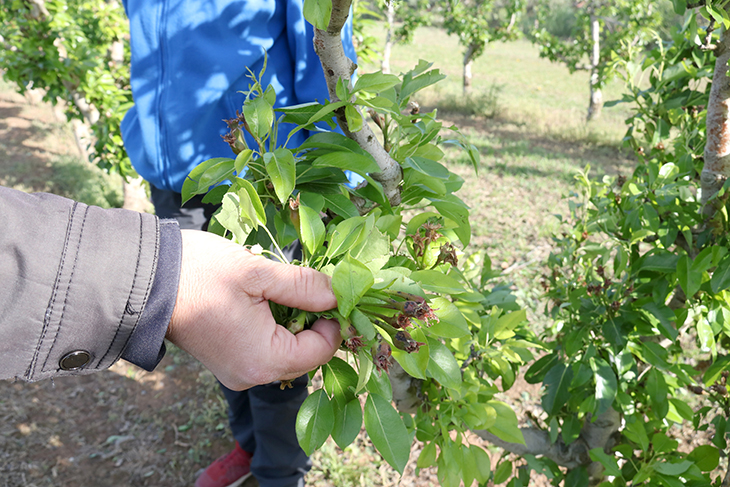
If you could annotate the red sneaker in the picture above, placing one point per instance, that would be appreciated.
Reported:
(228, 471)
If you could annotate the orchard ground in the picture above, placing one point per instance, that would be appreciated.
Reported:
(127, 427)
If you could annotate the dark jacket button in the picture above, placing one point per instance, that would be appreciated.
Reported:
(74, 360)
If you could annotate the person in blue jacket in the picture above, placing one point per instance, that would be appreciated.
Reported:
(190, 61)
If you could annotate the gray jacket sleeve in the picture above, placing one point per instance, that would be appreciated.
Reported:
(75, 284)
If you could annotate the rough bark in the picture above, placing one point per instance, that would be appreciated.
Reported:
(717, 149)
(336, 65)
(390, 22)
(596, 102)
(600, 433)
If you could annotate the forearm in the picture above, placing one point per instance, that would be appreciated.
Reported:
(77, 280)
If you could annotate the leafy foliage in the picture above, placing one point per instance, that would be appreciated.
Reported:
(75, 51)
(638, 285)
(401, 295)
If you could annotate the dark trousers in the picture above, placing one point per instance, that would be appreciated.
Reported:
(262, 418)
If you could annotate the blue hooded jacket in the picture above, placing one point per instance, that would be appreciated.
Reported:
(190, 60)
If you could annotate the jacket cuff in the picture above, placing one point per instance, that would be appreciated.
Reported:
(146, 345)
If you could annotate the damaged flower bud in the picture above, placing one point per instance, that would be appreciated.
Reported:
(353, 341)
(420, 311)
(447, 254)
(382, 356)
(403, 341)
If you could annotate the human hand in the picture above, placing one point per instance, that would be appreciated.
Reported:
(222, 315)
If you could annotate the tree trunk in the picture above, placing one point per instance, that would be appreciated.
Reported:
(468, 62)
(389, 21)
(596, 102)
(717, 150)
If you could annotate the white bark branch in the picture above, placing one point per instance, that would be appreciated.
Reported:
(336, 65)
(717, 150)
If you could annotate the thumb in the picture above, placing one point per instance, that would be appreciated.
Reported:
(294, 355)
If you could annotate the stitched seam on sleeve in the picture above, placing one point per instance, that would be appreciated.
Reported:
(68, 289)
(49, 309)
(134, 285)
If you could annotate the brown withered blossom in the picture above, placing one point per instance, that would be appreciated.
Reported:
(382, 356)
(403, 341)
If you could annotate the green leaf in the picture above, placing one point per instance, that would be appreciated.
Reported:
(682, 408)
(340, 380)
(577, 477)
(362, 324)
(503, 472)
(318, 12)
(387, 432)
(350, 280)
(483, 463)
(663, 317)
(689, 279)
(506, 428)
(427, 166)
(661, 261)
(315, 421)
(721, 277)
(451, 322)
(331, 140)
(229, 217)
(346, 235)
(656, 388)
(536, 372)
(242, 160)
(379, 384)
(437, 282)
(312, 229)
(341, 205)
(206, 174)
(706, 457)
(282, 170)
(608, 462)
(557, 382)
(679, 6)
(354, 118)
(348, 422)
(250, 203)
(259, 117)
(571, 429)
(456, 210)
(443, 366)
(365, 361)
(359, 163)
(468, 465)
(427, 457)
(606, 384)
(376, 82)
(672, 469)
(715, 370)
(506, 323)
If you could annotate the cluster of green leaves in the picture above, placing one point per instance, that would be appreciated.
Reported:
(68, 54)
(639, 287)
(401, 295)
(478, 22)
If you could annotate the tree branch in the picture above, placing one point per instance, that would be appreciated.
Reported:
(336, 65)
(600, 433)
(717, 149)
